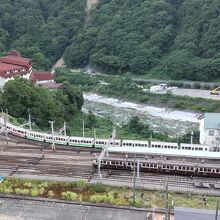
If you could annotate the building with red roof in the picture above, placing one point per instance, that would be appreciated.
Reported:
(40, 77)
(12, 65)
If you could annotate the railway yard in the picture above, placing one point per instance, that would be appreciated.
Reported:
(27, 159)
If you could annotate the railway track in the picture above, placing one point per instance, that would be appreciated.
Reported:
(55, 164)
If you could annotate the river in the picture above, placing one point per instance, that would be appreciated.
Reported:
(160, 119)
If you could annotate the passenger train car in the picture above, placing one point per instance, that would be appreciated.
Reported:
(96, 142)
(165, 167)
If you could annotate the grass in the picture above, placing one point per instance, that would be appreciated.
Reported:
(82, 191)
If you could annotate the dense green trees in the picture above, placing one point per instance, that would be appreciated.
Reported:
(40, 29)
(19, 95)
(175, 38)
(178, 38)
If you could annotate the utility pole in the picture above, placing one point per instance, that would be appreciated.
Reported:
(216, 213)
(191, 139)
(52, 132)
(94, 134)
(167, 216)
(6, 130)
(83, 129)
(134, 180)
(64, 128)
(29, 120)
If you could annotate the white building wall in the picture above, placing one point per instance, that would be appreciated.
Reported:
(202, 132)
(44, 81)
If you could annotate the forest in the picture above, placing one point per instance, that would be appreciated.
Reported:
(175, 38)
(40, 29)
(178, 39)
(21, 95)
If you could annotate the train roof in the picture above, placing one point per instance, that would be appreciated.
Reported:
(165, 162)
(166, 152)
(163, 143)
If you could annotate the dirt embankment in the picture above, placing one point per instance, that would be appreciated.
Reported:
(90, 3)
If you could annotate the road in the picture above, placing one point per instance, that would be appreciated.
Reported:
(198, 93)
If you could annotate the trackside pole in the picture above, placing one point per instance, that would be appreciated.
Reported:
(64, 128)
(52, 131)
(138, 170)
(134, 180)
(6, 130)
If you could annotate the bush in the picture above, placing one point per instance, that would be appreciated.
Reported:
(28, 184)
(7, 190)
(207, 86)
(99, 188)
(50, 194)
(69, 195)
(41, 190)
(102, 198)
(97, 198)
(22, 191)
(81, 184)
(196, 85)
(35, 192)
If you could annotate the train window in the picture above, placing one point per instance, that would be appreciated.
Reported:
(200, 148)
(171, 167)
(152, 145)
(159, 146)
(164, 166)
(217, 171)
(209, 170)
(206, 149)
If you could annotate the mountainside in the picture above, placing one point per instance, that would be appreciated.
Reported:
(178, 38)
(40, 29)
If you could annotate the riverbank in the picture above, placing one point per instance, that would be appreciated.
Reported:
(124, 88)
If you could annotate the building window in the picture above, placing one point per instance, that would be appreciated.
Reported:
(211, 132)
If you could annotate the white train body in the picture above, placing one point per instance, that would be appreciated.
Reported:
(96, 142)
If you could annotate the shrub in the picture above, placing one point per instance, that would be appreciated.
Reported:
(207, 86)
(41, 190)
(69, 195)
(50, 194)
(148, 204)
(97, 198)
(81, 184)
(99, 188)
(44, 185)
(28, 184)
(35, 192)
(22, 191)
(196, 85)
(7, 190)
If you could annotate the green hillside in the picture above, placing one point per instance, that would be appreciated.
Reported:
(177, 38)
(40, 29)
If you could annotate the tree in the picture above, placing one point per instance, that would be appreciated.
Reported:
(20, 94)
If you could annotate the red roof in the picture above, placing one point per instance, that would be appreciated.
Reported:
(20, 61)
(52, 85)
(4, 68)
(41, 76)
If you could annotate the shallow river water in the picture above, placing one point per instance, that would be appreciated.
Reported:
(160, 119)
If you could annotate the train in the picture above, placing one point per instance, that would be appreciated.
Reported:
(90, 142)
(188, 168)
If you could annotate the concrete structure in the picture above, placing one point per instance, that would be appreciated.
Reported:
(210, 130)
(194, 214)
(14, 65)
(57, 210)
